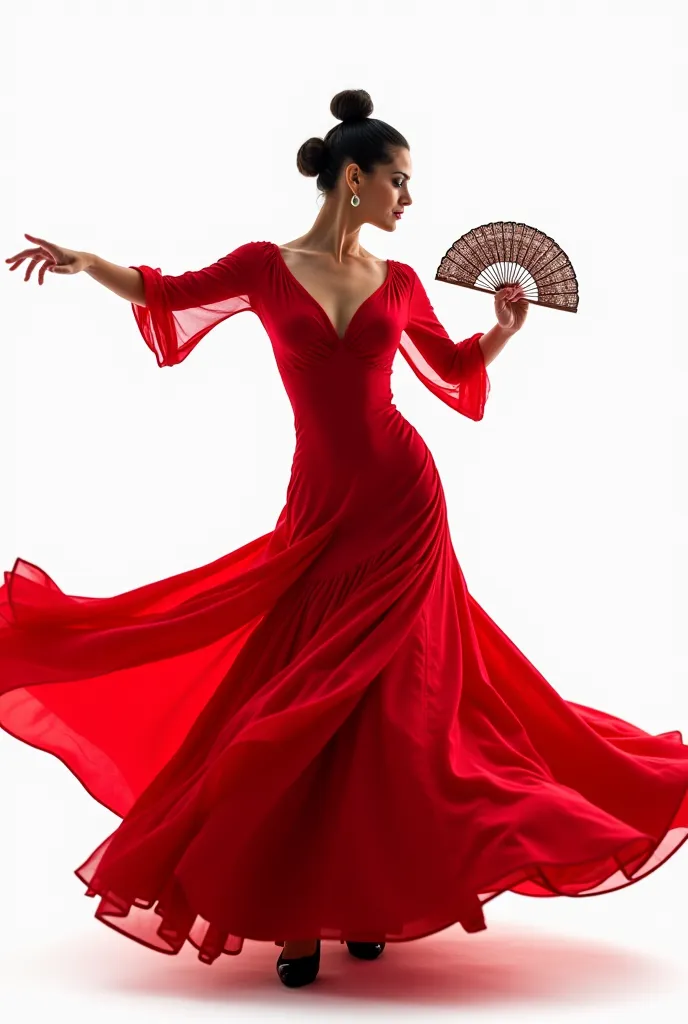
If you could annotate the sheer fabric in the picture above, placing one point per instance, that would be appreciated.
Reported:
(327, 703)
(181, 309)
(455, 373)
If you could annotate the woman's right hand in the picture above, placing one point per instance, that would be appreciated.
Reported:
(53, 258)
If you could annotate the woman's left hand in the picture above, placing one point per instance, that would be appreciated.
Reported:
(511, 306)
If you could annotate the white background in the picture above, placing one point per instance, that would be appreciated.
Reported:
(166, 134)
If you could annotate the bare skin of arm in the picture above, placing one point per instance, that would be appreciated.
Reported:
(123, 281)
(494, 340)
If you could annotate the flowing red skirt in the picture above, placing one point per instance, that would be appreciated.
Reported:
(301, 748)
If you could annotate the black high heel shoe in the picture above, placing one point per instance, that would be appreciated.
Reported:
(298, 970)
(366, 950)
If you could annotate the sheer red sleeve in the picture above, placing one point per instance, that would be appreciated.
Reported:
(454, 371)
(181, 309)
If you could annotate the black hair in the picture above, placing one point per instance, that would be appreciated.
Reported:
(359, 139)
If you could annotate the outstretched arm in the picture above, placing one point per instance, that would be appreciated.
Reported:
(227, 277)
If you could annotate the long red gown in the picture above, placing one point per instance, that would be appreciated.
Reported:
(322, 733)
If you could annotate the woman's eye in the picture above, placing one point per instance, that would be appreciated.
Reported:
(399, 183)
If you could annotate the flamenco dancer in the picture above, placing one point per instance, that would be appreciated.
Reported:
(321, 735)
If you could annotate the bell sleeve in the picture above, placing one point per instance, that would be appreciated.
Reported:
(454, 371)
(181, 309)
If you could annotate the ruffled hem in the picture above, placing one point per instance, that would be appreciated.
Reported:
(167, 923)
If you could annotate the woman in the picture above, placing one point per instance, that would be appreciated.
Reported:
(321, 735)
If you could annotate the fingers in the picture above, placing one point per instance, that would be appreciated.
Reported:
(50, 265)
(20, 255)
(48, 247)
(30, 268)
(512, 293)
(47, 263)
(45, 249)
(35, 256)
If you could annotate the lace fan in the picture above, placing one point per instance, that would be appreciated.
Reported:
(506, 252)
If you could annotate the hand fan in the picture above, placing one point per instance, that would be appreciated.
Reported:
(506, 252)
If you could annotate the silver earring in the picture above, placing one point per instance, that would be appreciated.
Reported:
(355, 200)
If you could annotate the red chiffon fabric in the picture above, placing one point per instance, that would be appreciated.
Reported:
(321, 733)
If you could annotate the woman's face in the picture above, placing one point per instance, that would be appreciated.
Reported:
(383, 193)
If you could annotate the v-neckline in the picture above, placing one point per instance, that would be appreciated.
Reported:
(318, 305)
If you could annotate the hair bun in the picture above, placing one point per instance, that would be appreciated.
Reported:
(312, 157)
(351, 105)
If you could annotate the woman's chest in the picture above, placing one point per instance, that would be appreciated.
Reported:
(305, 327)
(339, 289)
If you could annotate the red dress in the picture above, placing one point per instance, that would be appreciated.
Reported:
(322, 733)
